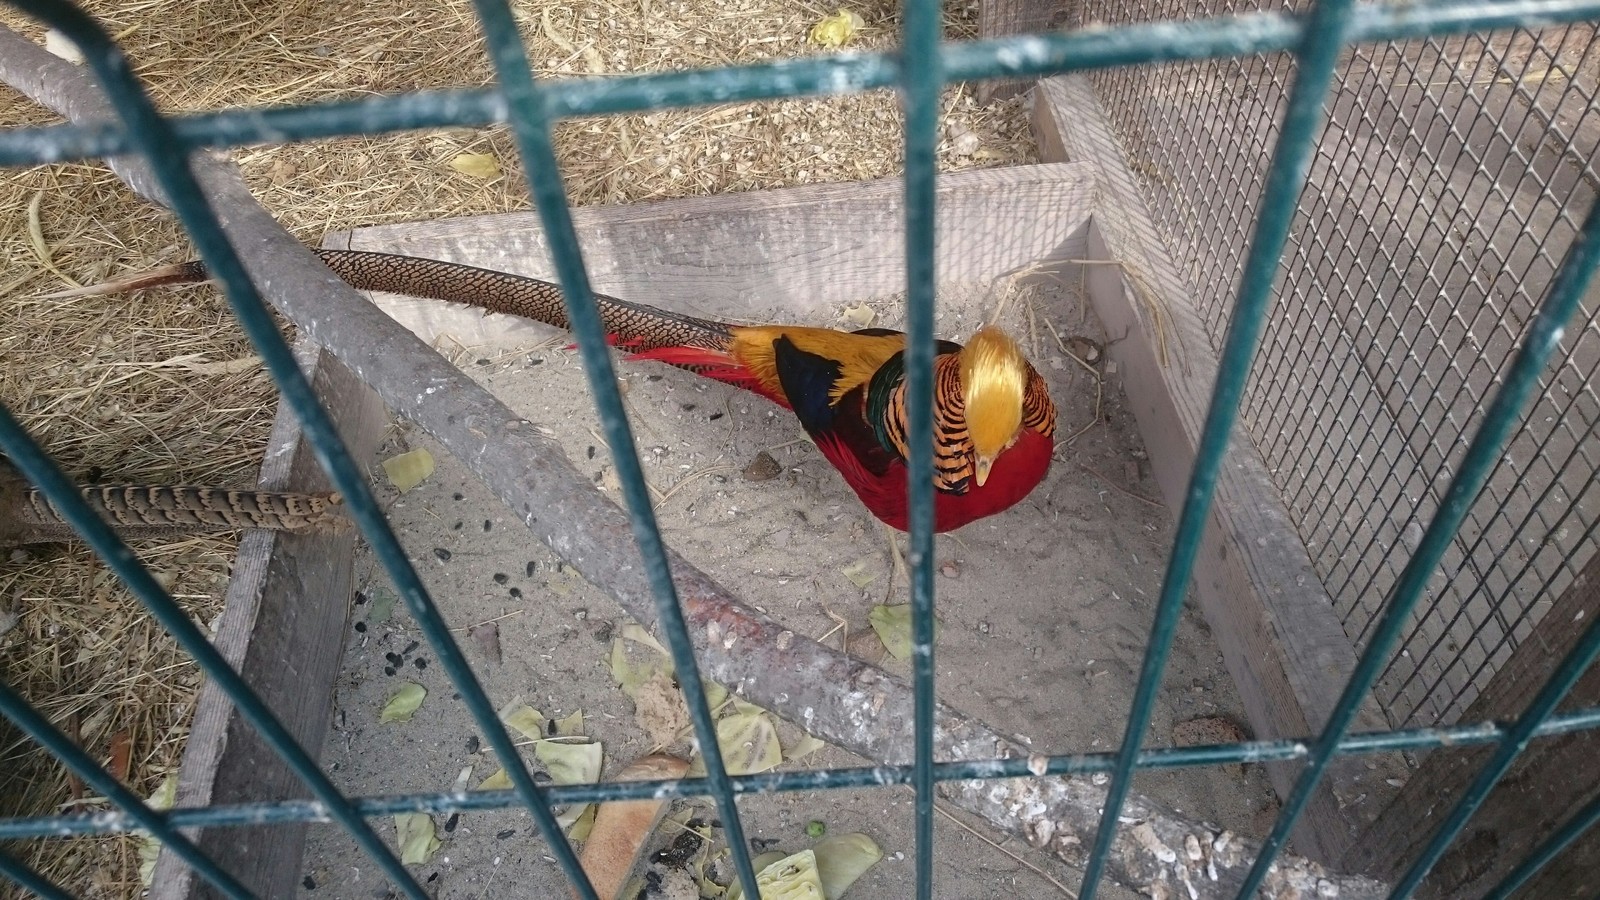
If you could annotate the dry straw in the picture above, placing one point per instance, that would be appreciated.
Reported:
(161, 386)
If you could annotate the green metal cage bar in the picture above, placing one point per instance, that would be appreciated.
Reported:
(531, 125)
(29, 880)
(1033, 55)
(268, 813)
(1324, 39)
(920, 72)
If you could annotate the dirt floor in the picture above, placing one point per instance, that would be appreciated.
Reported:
(1044, 610)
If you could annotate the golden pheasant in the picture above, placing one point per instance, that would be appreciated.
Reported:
(993, 417)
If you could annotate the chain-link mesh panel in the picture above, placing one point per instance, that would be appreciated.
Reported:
(1448, 183)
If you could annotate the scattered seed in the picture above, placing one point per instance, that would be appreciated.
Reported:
(532, 567)
(473, 744)
(361, 627)
(516, 592)
(500, 836)
(501, 578)
(308, 883)
(410, 647)
(420, 662)
(716, 416)
(487, 524)
(360, 599)
(388, 670)
(591, 451)
(450, 823)
(458, 496)
(443, 554)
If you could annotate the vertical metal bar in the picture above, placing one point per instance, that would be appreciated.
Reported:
(1330, 21)
(16, 708)
(169, 161)
(1565, 293)
(19, 872)
(921, 79)
(530, 122)
(1483, 454)
(1581, 822)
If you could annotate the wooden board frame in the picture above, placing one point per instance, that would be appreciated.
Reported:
(710, 255)
(1280, 637)
(283, 629)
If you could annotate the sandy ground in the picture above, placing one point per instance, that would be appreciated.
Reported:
(1045, 611)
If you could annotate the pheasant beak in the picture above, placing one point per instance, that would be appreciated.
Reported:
(984, 464)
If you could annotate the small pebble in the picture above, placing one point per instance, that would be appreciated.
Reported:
(983, 627)
(360, 598)
(443, 554)
(308, 883)
(950, 570)
(580, 614)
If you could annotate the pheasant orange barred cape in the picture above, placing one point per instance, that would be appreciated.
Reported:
(993, 418)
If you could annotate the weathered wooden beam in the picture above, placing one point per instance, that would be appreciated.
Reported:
(1550, 781)
(1279, 635)
(759, 256)
(283, 628)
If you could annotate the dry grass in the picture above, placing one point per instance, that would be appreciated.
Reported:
(102, 381)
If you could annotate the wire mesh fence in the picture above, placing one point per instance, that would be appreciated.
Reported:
(1270, 201)
(1450, 178)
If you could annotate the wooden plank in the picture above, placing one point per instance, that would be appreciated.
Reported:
(283, 628)
(1000, 18)
(1275, 624)
(760, 256)
(1551, 780)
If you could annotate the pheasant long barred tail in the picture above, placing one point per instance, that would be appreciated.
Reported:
(195, 508)
(633, 326)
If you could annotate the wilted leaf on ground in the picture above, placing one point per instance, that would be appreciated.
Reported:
(860, 315)
(842, 859)
(476, 165)
(527, 720)
(570, 764)
(499, 781)
(635, 632)
(571, 726)
(836, 30)
(858, 574)
(380, 603)
(403, 703)
(792, 878)
(149, 845)
(893, 627)
(416, 837)
(407, 470)
(749, 742)
(803, 748)
(585, 823)
(761, 861)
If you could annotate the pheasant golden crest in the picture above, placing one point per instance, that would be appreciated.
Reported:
(993, 418)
